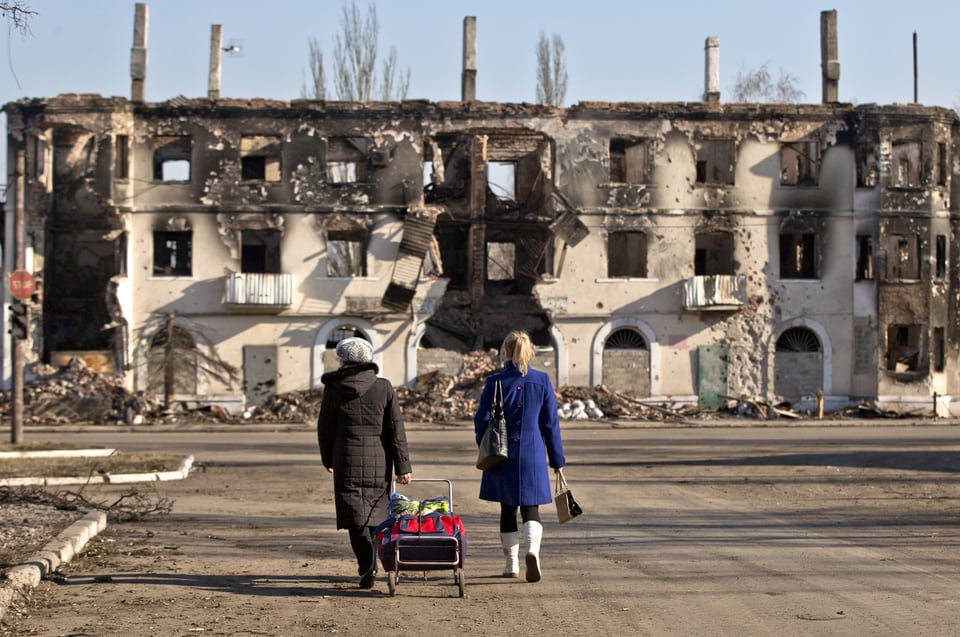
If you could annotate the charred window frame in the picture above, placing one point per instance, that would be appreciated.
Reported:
(941, 165)
(347, 253)
(347, 160)
(864, 257)
(800, 163)
(121, 156)
(940, 264)
(798, 255)
(260, 251)
(903, 257)
(502, 180)
(713, 254)
(260, 158)
(627, 255)
(629, 161)
(906, 164)
(904, 348)
(866, 165)
(172, 253)
(172, 157)
(715, 161)
(939, 349)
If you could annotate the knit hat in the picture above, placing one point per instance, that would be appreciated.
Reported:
(354, 350)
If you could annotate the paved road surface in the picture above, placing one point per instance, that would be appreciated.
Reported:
(785, 531)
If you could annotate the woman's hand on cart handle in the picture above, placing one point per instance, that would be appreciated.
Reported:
(404, 478)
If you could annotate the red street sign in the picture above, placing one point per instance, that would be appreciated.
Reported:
(21, 284)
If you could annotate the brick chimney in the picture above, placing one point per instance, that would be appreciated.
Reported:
(138, 53)
(711, 71)
(468, 86)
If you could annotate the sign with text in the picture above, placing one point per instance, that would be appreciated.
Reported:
(21, 285)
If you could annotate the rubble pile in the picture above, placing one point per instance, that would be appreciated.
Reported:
(437, 397)
(73, 393)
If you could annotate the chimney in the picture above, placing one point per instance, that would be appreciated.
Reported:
(216, 50)
(468, 85)
(829, 56)
(711, 71)
(138, 53)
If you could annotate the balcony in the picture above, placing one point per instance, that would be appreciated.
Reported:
(257, 290)
(715, 292)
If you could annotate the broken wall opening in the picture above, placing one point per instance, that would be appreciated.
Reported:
(713, 254)
(629, 160)
(716, 159)
(627, 254)
(260, 251)
(260, 158)
(347, 159)
(905, 349)
(799, 163)
(172, 156)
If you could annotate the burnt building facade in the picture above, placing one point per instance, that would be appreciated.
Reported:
(680, 252)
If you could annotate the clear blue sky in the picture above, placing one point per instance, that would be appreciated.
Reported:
(616, 50)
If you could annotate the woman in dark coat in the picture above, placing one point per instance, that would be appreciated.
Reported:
(533, 431)
(362, 443)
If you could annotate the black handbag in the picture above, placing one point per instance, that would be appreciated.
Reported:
(493, 444)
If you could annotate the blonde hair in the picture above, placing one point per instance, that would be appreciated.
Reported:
(518, 348)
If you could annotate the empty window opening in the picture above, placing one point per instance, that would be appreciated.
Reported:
(905, 164)
(629, 161)
(501, 261)
(344, 331)
(502, 179)
(121, 153)
(939, 349)
(260, 158)
(713, 254)
(627, 255)
(941, 165)
(798, 339)
(941, 261)
(171, 159)
(903, 255)
(864, 257)
(625, 338)
(346, 253)
(454, 241)
(866, 165)
(260, 251)
(347, 159)
(798, 255)
(903, 348)
(427, 173)
(172, 253)
(715, 160)
(799, 163)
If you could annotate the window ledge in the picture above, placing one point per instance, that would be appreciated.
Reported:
(799, 280)
(172, 277)
(352, 278)
(627, 279)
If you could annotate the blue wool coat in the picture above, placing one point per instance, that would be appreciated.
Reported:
(533, 431)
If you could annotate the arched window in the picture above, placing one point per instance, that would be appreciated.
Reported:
(625, 338)
(798, 339)
(172, 362)
(342, 332)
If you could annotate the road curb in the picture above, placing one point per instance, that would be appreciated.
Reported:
(22, 578)
(106, 478)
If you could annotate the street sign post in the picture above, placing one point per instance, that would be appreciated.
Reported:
(21, 284)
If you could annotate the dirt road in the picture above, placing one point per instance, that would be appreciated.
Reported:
(726, 531)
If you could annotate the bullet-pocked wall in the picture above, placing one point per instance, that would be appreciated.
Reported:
(669, 251)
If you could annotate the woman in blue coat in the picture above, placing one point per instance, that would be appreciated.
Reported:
(533, 430)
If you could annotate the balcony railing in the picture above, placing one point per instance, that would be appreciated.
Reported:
(258, 289)
(715, 292)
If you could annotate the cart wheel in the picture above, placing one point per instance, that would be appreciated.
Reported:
(459, 578)
(392, 583)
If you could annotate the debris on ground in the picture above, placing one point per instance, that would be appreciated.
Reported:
(76, 393)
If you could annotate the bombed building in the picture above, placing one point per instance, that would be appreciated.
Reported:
(679, 252)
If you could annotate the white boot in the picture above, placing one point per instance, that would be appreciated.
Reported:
(511, 551)
(532, 534)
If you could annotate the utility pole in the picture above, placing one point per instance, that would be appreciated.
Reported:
(16, 343)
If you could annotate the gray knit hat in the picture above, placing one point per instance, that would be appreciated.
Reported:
(354, 350)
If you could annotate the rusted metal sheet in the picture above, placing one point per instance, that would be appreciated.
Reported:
(715, 292)
(417, 234)
(254, 288)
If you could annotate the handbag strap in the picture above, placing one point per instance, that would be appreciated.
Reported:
(561, 482)
(497, 391)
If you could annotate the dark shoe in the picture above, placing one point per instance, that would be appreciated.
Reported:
(368, 579)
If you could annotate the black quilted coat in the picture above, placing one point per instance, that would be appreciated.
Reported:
(361, 436)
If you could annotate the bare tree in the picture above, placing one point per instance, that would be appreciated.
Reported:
(551, 70)
(757, 85)
(317, 89)
(175, 355)
(355, 51)
(17, 13)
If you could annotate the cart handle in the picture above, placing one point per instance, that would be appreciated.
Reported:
(393, 487)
